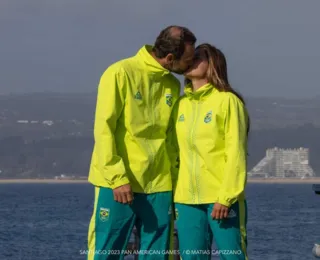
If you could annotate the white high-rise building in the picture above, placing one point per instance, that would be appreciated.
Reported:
(284, 163)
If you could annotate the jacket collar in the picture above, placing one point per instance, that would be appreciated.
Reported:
(200, 93)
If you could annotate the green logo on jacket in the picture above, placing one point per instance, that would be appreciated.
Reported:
(169, 100)
(138, 96)
(181, 118)
(208, 117)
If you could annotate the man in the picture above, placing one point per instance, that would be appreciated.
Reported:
(130, 168)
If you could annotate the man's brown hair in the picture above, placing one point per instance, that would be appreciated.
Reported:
(172, 40)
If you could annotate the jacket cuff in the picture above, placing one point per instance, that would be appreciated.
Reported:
(123, 181)
(225, 201)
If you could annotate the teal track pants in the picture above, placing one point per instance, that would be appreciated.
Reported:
(196, 227)
(112, 223)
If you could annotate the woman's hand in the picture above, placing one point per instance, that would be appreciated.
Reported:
(219, 211)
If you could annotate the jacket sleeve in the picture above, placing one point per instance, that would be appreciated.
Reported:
(235, 171)
(173, 149)
(110, 103)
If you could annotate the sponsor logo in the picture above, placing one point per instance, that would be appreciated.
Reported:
(176, 212)
(138, 96)
(181, 118)
(232, 214)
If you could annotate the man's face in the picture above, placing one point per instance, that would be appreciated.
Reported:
(180, 66)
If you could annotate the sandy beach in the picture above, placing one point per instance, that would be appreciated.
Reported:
(81, 181)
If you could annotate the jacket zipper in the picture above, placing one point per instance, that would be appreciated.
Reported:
(194, 156)
(197, 174)
(151, 156)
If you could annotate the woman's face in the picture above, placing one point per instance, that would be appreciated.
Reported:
(199, 67)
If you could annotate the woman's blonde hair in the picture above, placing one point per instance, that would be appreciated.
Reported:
(217, 73)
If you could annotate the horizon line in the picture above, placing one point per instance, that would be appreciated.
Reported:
(95, 92)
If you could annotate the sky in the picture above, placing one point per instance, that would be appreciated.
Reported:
(272, 47)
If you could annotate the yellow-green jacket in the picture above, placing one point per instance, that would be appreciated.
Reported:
(134, 103)
(209, 133)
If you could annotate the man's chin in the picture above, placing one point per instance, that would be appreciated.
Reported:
(186, 73)
(179, 72)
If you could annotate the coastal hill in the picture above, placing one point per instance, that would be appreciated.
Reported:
(43, 135)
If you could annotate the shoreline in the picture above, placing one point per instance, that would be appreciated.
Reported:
(82, 181)
(286, 181)
(34, 181)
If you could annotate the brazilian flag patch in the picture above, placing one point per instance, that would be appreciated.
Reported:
(208, 117)
(169, 100)
(104, 214)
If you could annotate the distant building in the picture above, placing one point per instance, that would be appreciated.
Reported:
(284, 163)
(23, 121)
(48, 122)
(62, 176)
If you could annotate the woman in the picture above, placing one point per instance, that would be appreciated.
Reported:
(209, 137)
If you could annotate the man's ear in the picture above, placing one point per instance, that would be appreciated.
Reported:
(169, 58)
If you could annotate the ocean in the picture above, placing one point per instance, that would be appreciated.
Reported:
(50, 221)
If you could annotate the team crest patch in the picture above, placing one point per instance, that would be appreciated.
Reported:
(208, 117)
(169, 100)
(181, 118)
(104, 214)
(138, 96)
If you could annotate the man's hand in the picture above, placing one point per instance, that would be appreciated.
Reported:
(219, 211)
(123, 194)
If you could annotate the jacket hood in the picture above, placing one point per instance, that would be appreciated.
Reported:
(151, 64)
